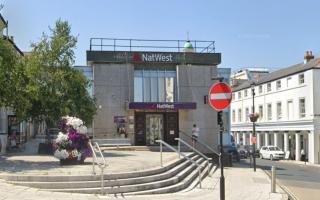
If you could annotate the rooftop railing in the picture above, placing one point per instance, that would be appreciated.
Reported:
(113, 44)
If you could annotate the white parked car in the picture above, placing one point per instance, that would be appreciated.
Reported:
(271, 152)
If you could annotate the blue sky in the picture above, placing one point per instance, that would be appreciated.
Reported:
(248, 33)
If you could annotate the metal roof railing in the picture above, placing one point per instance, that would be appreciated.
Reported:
(113, 44)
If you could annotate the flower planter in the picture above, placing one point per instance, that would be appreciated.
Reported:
(71, 161)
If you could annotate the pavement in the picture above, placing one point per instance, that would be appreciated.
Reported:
(300, 180)
(241, 183)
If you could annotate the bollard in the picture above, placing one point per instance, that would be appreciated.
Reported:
(273, 179)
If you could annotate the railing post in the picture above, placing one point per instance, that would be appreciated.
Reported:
(273, 179)
(161, 154)
(102, 181)
(208, 168)
(199, 178)
(179, 150)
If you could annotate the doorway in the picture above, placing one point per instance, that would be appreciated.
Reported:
(154, 128)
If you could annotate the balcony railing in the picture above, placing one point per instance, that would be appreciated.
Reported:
(113, 44)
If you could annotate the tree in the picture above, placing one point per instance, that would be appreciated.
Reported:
(57, 88)
(13, 79)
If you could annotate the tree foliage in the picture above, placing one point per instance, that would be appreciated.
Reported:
(57, 88)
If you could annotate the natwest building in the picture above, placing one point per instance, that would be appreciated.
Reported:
(287, 101)
(150, 89)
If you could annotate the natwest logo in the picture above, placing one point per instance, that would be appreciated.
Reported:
(165, 106)
(152, 57)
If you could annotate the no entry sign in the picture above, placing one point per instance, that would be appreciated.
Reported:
(220, 96)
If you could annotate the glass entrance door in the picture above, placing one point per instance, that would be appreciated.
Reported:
(154, 128)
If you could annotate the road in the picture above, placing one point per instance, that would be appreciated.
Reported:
(303, 181)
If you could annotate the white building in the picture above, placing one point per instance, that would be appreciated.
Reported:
(288, 103)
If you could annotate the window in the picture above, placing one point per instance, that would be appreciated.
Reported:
(302, 108)
(279, 110)
(261, 112)
(245, 93)
(301, 79)
(239, 95)
(239, 115)
(290, 110)
(269, 109)
(233, 115)
(260, 89)
(268, 87)
(154, 85)
(247, 115)
(289, 82)
(233, 96)
(278, 85)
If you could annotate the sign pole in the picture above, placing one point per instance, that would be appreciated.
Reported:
(222, 184)
(220, 99)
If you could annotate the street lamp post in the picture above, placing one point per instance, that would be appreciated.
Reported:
(253, 128)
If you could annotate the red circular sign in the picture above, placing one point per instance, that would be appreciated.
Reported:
(220, 96)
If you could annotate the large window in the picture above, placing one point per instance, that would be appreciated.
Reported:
(302, 107)
(245, 93)
(269, 87)
(269, 109)
(301, 78)
(260, 112)
(278, 85)
(239, 115)
(239, 95)
(154, 86)
(247, 115)
(279, 110)
(233, 115)
(260, 89)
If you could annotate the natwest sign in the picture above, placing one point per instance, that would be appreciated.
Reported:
(153, 57)
(162, 106)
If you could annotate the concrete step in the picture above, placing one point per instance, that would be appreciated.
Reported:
(188, 179)
(108, 182)
(136, 187)
(90, 177)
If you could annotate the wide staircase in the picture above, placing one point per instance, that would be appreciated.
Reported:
(184, 173)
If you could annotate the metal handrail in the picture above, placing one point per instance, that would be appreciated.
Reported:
(202, 143)
(180, 154)
(101, 165)
(194, 150)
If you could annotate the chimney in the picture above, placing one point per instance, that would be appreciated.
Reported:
(12, 38)
(308, 56)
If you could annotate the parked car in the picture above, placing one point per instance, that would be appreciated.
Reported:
(271, 152)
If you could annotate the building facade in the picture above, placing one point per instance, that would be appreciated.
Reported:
(287, 103)
(148, 95)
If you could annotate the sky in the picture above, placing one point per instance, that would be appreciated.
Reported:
(248, 33)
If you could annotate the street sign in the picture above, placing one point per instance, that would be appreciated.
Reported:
(220, 96)
(254, 140)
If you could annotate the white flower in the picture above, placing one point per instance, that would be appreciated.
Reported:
(82, 130)
(73, 122)
(63, 154)
(62, 138)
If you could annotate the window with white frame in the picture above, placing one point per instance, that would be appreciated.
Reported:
(269, 87)
(233, 96)
(269, 109)
(302, 107)
(260, 112)
(239, 115)
(260, 89)
(279, 110)
(301, 79)
(289, 82)
(290, 110)
(233, 115)
(245, 93)
(278, 84)
(239, 95)
(247, 115)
